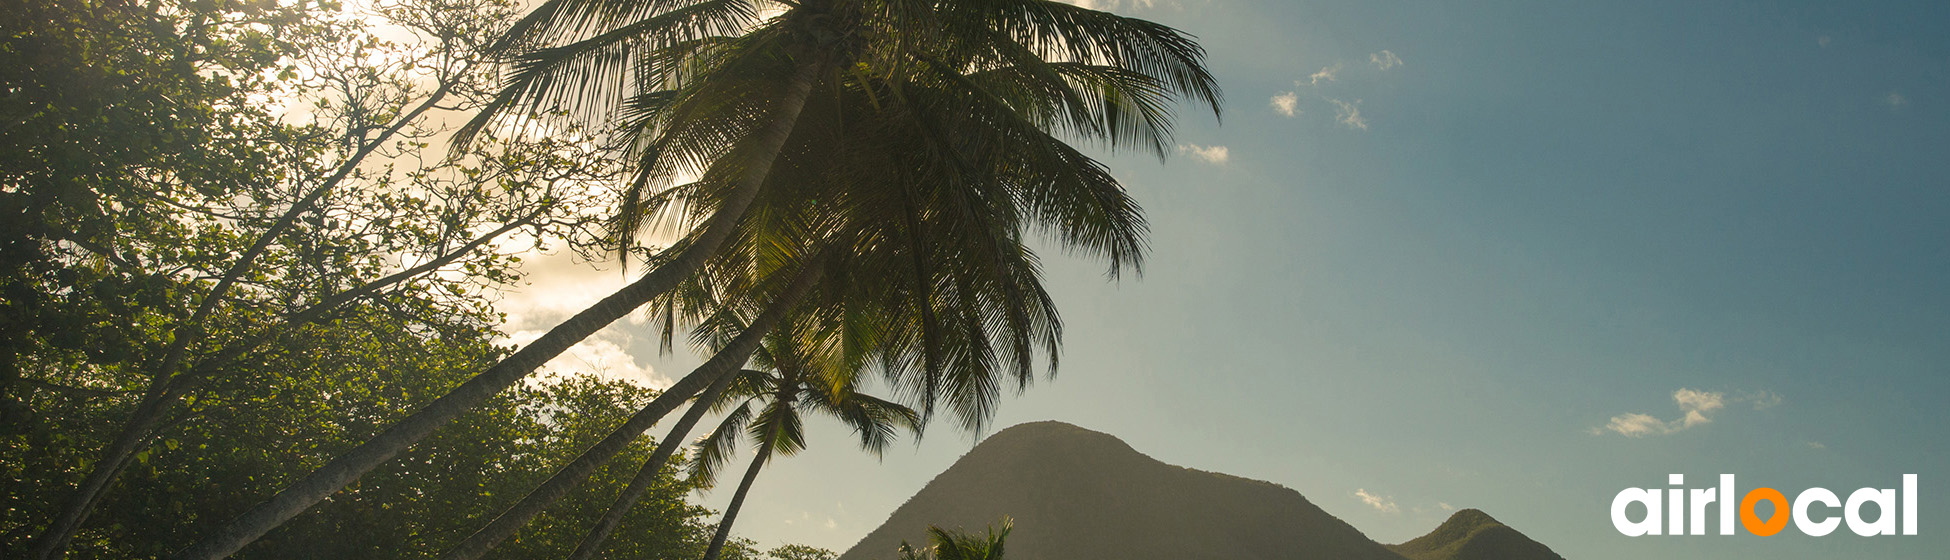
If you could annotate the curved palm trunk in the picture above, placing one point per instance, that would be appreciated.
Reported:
(564, 480)
(718, 371)
(519, 514)
(738, 500)
(592, 542)
(349, 466)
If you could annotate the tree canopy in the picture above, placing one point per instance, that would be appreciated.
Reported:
(248, 265)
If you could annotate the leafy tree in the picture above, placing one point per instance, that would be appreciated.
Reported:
(166, 221)
(334, 385)
(800, 552)
(100, 99)
(228, 254)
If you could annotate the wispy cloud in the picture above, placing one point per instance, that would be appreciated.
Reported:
(1445, 506)
(1824, 41)
(1349, 114)
(1327, 74)
(1385, 60)
(1896, 100)
(1381, 503)
(1330, 84)
(1287, 103)
(1215, 155)
(1762, 400)
(1634, 424)
(1696, 409)
(1816, 445)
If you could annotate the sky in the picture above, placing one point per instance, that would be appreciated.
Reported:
(1514, 256)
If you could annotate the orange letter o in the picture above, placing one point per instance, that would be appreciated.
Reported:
(1752, 522)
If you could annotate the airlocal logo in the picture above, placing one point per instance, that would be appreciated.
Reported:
(1678, 499)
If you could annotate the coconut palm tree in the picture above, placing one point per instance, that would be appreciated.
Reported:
(768, 407)
(946, 232)
(714, 87)
(753, 305)
(956, 545)
(869, 293)
(978, 313)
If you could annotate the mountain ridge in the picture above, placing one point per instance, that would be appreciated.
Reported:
(1078, 494)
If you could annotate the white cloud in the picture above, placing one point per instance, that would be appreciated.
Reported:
(1824, 41)
(1696, 409)
(1634, 425)
(1896, 100)
(558, 286)
(1216, 155)
(1382, 503)
(1287, 103)
(1697, 404)
(832, 524)
(1445, 506)
(1816, 445)
(1349, 114)
(1385, 60)
(1327, 74)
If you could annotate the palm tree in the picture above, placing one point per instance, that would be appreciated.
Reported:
(815, 381)
(738, 339)
(956, 545)
(866, 294)
(976, 314)
(711, 87)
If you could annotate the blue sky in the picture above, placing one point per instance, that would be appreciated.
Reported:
(1545, 219)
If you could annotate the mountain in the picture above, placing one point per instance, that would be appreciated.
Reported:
(1076, 494)
(1474, 535)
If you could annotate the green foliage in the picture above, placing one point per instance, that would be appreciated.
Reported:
(327, 389)
(956, 545)
(800, 552)
(146, 149)
(107, 113)
(230, 248)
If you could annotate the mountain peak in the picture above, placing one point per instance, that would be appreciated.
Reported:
(1052, 430)
(1079, 494)
(1468, 519)
(1471, 534)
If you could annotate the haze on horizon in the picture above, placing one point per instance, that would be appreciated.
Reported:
(1507, 256)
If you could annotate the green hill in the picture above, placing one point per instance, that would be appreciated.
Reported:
(1473, 535)
(1076, 494)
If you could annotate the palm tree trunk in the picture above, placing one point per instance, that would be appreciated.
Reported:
(592, 542)
(349, 466)
(738, 499)
(512, 519)
(718, 371)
